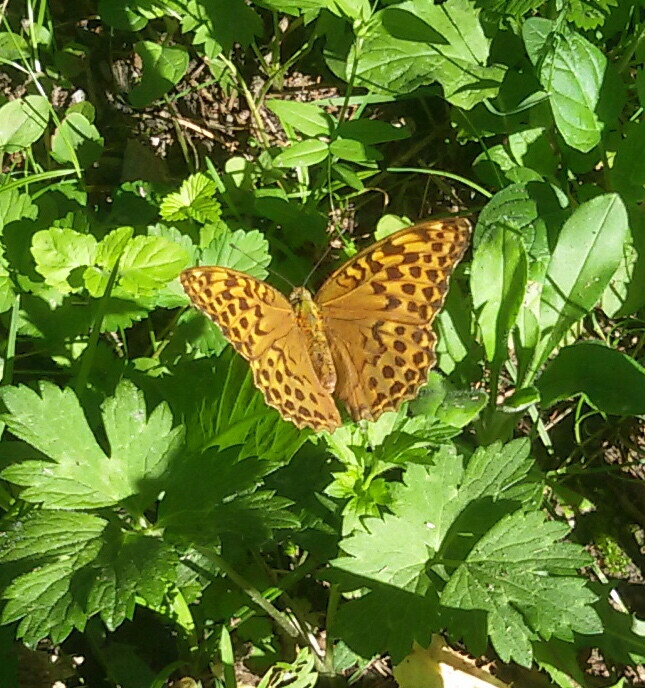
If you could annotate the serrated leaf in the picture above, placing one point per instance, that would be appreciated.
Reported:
(149, 262)
(523, 577)
(58, 251)
(108, 250)
(78, 474)
(195, 200)
(415, 43)
(239, 250)
(131, 564)
(41, 598)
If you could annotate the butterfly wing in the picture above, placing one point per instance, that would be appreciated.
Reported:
(378, 309)
(261, 325)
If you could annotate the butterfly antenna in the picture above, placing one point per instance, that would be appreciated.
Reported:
(264, 267)
(339, 235)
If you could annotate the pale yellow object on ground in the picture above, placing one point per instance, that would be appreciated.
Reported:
(440, 667)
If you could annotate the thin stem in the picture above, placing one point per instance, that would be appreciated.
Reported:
(256, 596)
(249, 100)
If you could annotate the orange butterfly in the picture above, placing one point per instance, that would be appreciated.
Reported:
(365, 337)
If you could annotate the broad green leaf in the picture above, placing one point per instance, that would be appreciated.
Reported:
(132, 565)
(371, 131)
(58, 251)
(195, 200)
(15, 206)
(22, 122)
(497, 281)
(219, 24)
(611, 380)
(415, 43)
(527, 210)
(80, 566)
(571, 70)
(628, 170)
(149, 263)
(353, 150)
(78, 474)
(121, 15)
(347, 176)
(302, 154)
(524, 578)
(240, 250)
(163, 67)
(13, 46)
(76, 139)
(588, 252)
(524, 153)
(396, 549)
(436, 517)
(7, 290)
(308, 118)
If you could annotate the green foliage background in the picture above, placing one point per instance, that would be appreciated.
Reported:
(146, 486)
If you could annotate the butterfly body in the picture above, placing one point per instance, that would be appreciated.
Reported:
(310, 321)
(366, 336)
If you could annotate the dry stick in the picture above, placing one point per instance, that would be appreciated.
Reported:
(249, 100)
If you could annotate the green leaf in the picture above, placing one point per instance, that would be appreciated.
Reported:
(194, 200)
(121, 15)
(628, 170)
(149, 262)
(7, 290)
(526, 154)
(588, 252)
(415, 43)
(240, 250)
(13, 46)
(22, 122)
(371, 131)
(76, 139)
(56, 546)
(308, 118)
(612, 381)
(395, 550)
(497, 281)
(163, 68)
(571, 70)
(109, 249)
(80, 566)
(59, 251)
(437, 516)
(347, 176)
(355, 151)
(219, 24)
(302, 154)
(524, 579)
(130, 565)
(78, 474)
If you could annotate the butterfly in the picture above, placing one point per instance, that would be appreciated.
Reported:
(365, 337)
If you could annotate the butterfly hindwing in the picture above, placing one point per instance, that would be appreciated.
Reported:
(260, 323)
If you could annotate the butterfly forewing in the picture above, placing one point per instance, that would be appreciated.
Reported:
(378, 309)
(260, 323)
